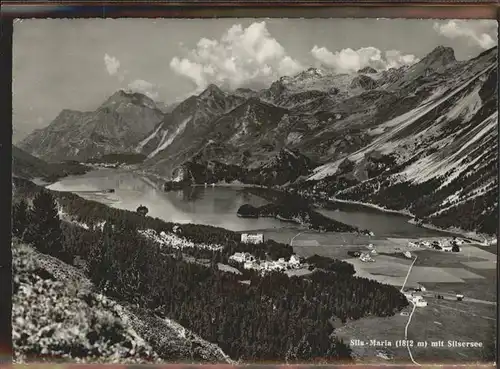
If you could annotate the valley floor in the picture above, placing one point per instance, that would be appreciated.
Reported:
(471, 272)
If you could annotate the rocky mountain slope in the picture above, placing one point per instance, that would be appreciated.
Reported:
(116, 126)
(73, 322)
(57, 315)
(420, 139)
(378, 136)
(437, 159)
(278, 170)
(27, 166)
(184, 130)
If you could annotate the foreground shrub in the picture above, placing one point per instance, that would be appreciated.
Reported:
(57, 320)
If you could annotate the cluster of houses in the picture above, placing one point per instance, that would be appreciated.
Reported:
(103, 165)
(176, 241)
(415, 298)
(489, 242)
(250, 262)
(442, 245)
(366, 257)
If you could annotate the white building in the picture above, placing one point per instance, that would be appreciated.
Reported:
(294, 261)
(250, 264)
(421, 303)
(407, 254)
(426, 244)
(238, 257)
(489, 242)
(416, 299)
(252, 238)
(366, 258)
(241, 257)
(447, 248)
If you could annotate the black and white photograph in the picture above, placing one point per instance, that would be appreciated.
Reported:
(255, 190)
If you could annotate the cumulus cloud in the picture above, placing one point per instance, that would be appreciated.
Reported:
(242, 57)
(113, 67)
(112, 64)
(349, 60)
(396, 59)
(144, 87)
(482, 33)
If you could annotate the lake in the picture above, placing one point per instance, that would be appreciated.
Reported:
(383, 224)
(216, 206)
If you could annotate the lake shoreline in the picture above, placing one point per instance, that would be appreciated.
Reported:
(188, 214)
(472, 236)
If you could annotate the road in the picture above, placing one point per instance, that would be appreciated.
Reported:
(406, 335)
(408, 274)
(298, 234)
(411, 314)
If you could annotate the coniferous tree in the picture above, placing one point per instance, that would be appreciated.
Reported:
(45, 230)
(20, 219)
(100, 260)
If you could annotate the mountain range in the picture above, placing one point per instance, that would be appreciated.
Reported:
(115, 126)
(421, 139)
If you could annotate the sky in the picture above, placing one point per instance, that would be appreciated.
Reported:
(77, 63)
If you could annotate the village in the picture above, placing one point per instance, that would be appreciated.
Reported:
(296, 264)
(249, 261)
(365, 254)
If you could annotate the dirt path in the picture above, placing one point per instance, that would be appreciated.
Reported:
(411, 314)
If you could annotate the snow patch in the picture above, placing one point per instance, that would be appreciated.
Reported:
(147, 139)
(428, 167)
(165, 142)
(461, 200)
(397, 124)
(293, 138)
(289, 152)
(467, 107)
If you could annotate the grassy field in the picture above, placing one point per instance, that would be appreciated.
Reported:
(440, 320)
(484, 289)
(443, 259)
(475, 266)
(471, 272)
(390, 329)
(452, 320)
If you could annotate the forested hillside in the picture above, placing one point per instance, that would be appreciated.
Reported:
(274, 318)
